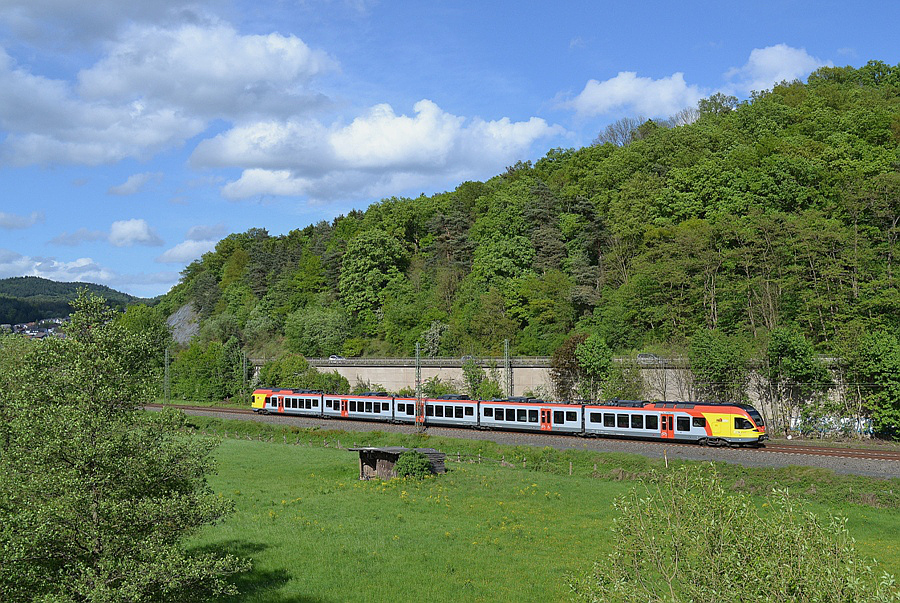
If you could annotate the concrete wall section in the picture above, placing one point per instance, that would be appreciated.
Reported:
(395, 378)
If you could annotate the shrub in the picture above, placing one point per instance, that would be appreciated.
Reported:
(413, 464)
(681, 537)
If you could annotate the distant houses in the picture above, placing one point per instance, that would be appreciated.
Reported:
(48, 327)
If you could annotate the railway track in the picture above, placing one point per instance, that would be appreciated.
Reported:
(768, 448)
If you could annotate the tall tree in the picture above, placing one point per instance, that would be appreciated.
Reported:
(97, 497)
(720, 366)
(794, 376)
(595, 360)
(879, 369)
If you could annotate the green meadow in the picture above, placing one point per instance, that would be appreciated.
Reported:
(481, 532)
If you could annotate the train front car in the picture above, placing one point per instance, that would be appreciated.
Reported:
(260, 401)
(733, 425)
(713, 424)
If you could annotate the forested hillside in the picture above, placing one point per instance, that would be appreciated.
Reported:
(28, 298)
(781, 211)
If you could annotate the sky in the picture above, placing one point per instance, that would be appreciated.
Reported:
(135, 135)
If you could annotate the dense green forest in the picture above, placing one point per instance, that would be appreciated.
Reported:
(779, 211)
(31, 298)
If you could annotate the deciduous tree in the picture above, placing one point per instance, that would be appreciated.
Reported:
(96, 496)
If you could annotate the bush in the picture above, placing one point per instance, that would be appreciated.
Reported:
(413, 464)
(683, 538)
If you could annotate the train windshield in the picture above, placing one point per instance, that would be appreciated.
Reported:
(757, 418)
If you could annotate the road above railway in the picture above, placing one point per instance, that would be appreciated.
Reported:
(880, 462)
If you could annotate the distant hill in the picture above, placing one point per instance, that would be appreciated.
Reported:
(28, 298)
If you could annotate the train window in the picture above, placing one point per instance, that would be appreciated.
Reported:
(698, 422)
(429, 411)
(652, 422)
(378, 407)
(683, 424)
(637, 421)
(315, 404)
(532, 416)
(571, 415)
(609, 419)
(410, 409)
(742, 423)
(368, 406)
(401, 407)
(522, 414)
(459, 412)
(558, 416)
(439, 411)
(510, 414)
(595, 417)
(621, 420)
(498, 414)
(489, 412)
(309, 404)
(470, 412)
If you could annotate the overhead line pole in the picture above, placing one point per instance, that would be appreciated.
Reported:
(420, 404)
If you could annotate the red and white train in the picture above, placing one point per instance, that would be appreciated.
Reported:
(704, 423)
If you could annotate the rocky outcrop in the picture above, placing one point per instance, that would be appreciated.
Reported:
(185, 323)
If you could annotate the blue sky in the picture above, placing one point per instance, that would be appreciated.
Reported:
(135, 135)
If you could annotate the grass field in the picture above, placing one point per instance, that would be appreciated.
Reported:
(482, 532)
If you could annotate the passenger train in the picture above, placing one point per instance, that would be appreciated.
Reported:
(713, 424)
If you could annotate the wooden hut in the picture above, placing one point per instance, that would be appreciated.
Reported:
(379, 462)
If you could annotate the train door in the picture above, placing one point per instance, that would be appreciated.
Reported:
(545, 420)
(667, 426)
(344, 412)
(280, 403)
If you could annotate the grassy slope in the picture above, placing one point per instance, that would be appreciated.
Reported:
(480, 533)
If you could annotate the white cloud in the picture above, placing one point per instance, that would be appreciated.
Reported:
(125, 233)
(209, 71)
(186, 252)
(81, 269)
(49, 21)
(628, 93)
(135, 183)
(46, 123)
(255, 182)
(153, 90)
(82, 235)
(376, 151)
(14, 221)
(299, 145)
(772, 65)
(205, 233)
(382, 139)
